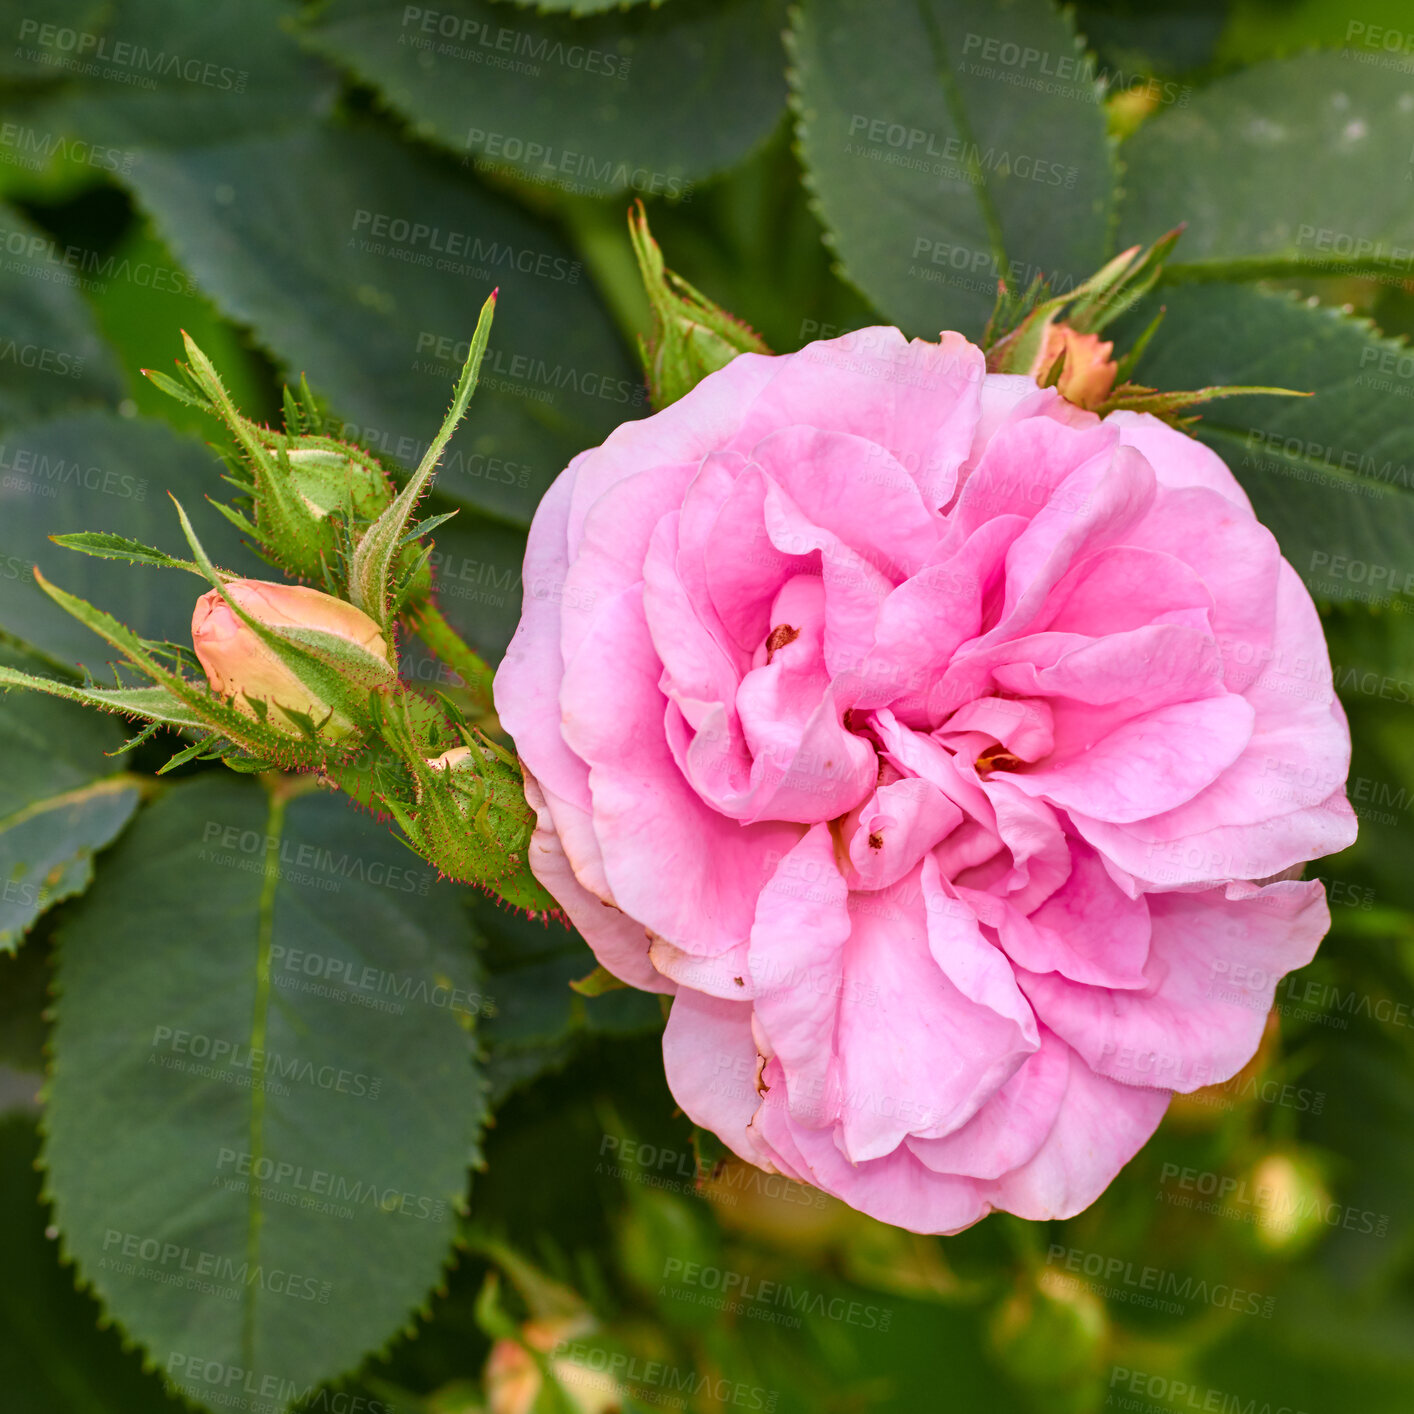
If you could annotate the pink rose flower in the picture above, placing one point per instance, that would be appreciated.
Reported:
(938, 745)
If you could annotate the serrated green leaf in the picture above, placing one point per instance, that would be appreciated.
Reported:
(118, 547)
(1301, 164)
(94, 469)
(942, 165)
(304, 933)
(380, 321)
(1331, 475)
(61, 800)
(645, 101)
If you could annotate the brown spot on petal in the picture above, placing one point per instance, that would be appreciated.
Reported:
(779, 637)
(738, 981)
(876, 840)
(998, 758)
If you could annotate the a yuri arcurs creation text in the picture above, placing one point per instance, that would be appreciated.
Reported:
(943, 747)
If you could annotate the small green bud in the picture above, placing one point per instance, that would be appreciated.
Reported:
(691, 336)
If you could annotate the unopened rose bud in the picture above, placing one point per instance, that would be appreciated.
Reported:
(1088, 374)
(513, 1379)
(240, 665)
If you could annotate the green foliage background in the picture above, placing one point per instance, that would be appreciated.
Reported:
(333, 190)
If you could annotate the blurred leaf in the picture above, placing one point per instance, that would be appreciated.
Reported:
(260, 1114)
(54, 1358)
(97, 471)
(644, 101)
(941, 166)
(538, 1018)
(142, 315)
(61, 799)
(51, 355)
(364, 264)
(169, 73)
(1330, 475)
(1300, 164)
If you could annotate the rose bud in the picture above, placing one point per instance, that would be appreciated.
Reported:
(240, 665)
(1088, 373)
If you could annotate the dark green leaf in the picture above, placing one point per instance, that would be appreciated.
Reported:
(166, 72)
(648, 101)
(364, 264)
(263, 1099)
(60, 800)
(942, 160)
(51, 355)
(1331, 475)
(93, 470)
(1304, 163)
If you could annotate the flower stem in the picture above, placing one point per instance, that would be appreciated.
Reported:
(474, 671)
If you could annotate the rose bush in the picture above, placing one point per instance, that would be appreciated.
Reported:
(948, 751)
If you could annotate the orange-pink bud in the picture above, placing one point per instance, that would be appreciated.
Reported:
(240, 666)
(1088, 373)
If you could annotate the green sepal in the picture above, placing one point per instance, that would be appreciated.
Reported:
(598, 982)
(691, 335)
(1020, 322)
(375, 559)
(118, 547)
(1131, 397)
(157, 705)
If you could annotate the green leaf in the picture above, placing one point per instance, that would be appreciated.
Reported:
(1303, 164)
(21, 57)
(92, 469)
(55, 1357)
(60, 801)
(118, 547)
(363, 263)
(51, 355)
(1331, 475)
(165, 72)
(648, 101)
(938, 166)
(276, 987)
